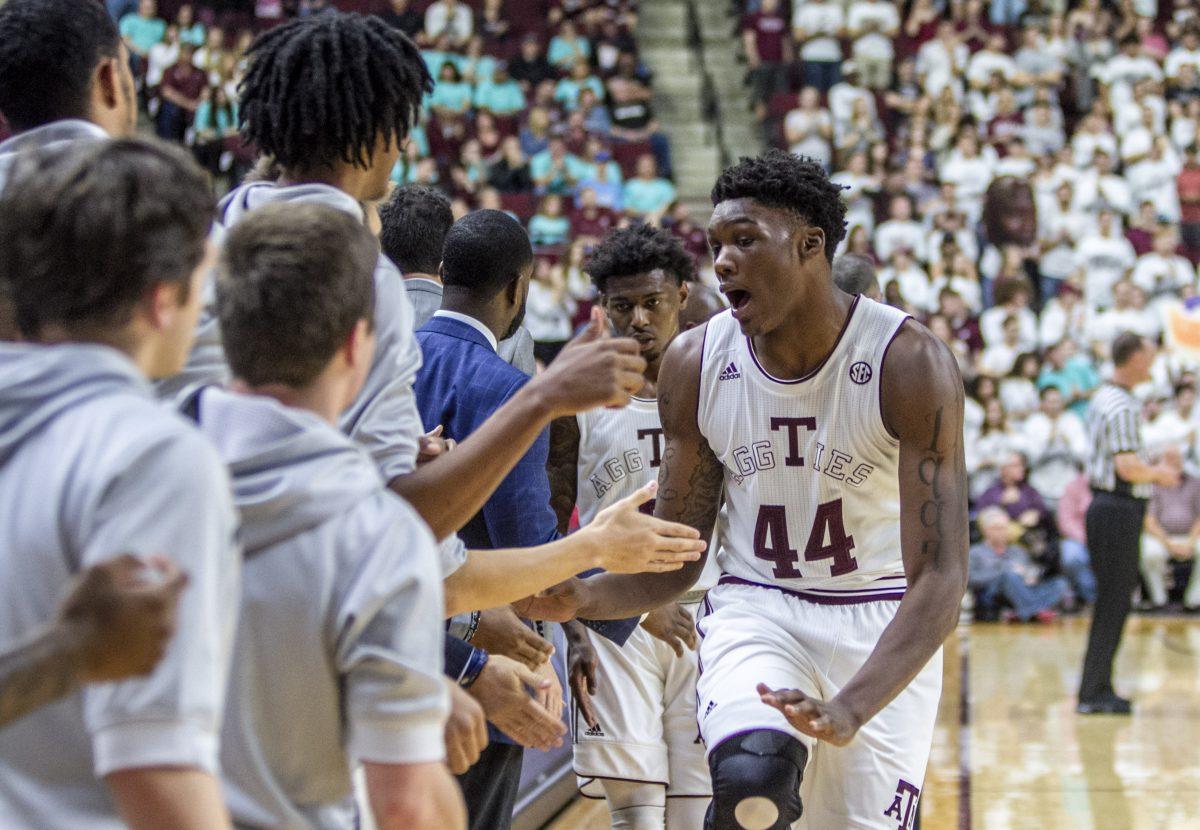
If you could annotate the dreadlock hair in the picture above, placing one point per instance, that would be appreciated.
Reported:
(323, 89)
(639, 249)
(784, 180)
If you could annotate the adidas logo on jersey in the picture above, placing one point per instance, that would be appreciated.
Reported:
(594, 731)
(730, 372)
(712, 704)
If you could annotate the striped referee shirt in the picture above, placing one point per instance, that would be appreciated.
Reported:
(1114, 421)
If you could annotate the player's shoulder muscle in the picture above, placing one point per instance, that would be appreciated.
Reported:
(920, 376)
(679, 381)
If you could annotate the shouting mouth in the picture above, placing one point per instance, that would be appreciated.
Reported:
(738, 298)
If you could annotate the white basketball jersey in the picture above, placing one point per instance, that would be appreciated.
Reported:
(811, 481)
(621, 450)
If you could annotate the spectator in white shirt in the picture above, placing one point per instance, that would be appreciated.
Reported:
(911, 290)
(1162, 272)
(873, 24)
(1128, 313)
(957, 273)
(1153, 179)
(860, 187)
(1102, 258)
(1018, 391)
(1042, 133)
(1060, 227)
(809, 128)
(900, 231)
(942, 61)
(953, 224)
(1064, 319)
(998, 359)
(1177, 426)
(816, 27)
(1057, 444)
(1011, 297)
(1187, 53)
(1093, 133)
(992, 58)
(1100, 186)
(449, 18)
(845, 92)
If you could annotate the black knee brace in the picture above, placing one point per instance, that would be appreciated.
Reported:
(756, 781)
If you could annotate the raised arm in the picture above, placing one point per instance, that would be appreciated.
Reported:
(690, 481)
(593, 370)
(561, 469)
(923, 407)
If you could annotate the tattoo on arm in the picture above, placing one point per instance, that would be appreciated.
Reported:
(37, 673)
(561, 469)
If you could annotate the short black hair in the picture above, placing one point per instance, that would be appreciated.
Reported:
(89, 227)
(1125, 345)
(854, 274)
(293, 282)
(323, 89)
(48, 52)
(639, 249)
(414, 223)
(484, 252)
(784, 180)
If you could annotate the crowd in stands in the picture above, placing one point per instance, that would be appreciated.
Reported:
(542, 109)
(1025, 175)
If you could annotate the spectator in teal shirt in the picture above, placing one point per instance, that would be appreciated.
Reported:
(143, 30)
(216, 117)
(451, 95)
(595, 156)
(567, 47)
(190, 31)
(646, 193)
(568, 89)
(554, 169)
(548, 226)
(500, 95)
(1071, 373)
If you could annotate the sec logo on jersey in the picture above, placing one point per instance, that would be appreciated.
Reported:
(860, 372)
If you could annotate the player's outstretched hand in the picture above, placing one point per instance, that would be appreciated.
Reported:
(826, 720)
(503, 689)
(500, 631)
(672, 624)
(466, 731)
(558, 603)
(593, 370)
(432, 445)
(632, 542)
(581, 676)
(550, 692)
(124, 610)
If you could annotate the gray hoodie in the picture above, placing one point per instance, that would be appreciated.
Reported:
(48, 135)
(384, 418)
(91, 467)
(339, 652)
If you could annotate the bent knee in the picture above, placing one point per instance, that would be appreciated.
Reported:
(756, 781)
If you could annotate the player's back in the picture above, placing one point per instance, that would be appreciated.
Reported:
(810, 468)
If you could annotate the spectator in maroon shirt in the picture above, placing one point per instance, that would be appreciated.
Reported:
(768, 43)
(182, 87)
(690, 235)
(589, 221)
(1188, 185)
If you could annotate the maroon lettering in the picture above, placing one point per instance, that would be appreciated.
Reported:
(793, 425)
(655, 434)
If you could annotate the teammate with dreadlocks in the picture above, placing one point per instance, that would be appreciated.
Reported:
(834, 425)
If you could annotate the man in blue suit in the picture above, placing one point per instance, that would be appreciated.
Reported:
(487, 262)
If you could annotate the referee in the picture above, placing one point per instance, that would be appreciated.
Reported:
(1121, 483)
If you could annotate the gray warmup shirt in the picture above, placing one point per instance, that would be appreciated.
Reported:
(384, 418)
(339, 650)
(91, 466)
(48, 135)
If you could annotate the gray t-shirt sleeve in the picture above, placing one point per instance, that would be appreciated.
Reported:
(172, 499)
(384, 419)
(389, 643)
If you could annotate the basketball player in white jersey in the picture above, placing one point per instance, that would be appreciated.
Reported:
(833, 424)
(636, 742)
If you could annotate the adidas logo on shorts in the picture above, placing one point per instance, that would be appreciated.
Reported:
(730, 372)
(594, 731)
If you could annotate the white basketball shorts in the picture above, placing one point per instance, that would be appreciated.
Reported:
(757, 634)
(645, 703)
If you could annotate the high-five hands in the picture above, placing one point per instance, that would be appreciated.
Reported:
(593, 370)
(826, 720)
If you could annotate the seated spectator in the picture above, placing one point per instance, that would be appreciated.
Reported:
(535, 133)
(567, 47)
(1012, 493)
(510, 173)
(958, 313)
(451, 19)
(216, 121)
(1018, 391)
(553, 169)
(596, 155)
(476, 66)
(646, 193)
(1177, 427)
(859, 132)
(1073, 559)
(591, 221)
(140, 30)
(1127, 313)
(1172, 534)
(1162, 272)
(190, 30)
(596, 119)
(181, 90)
(549, 308)
(1057, 443)
(451, 96)
(1102, 259)
(957, 273)
(632, 113)
(161, 57)
(808, 129)
(999, 358)
(901, 231)
(1002, 574)
(816, 27)
(549, 226)
(500, 94)
(568, 89)
(530, 67)
(401, 15)
(210, 57)
(493, 26)
(911, 283)
(1012, 299)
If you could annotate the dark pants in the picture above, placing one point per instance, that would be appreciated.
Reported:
(490, 787)
(1114, 534)
(822, 74)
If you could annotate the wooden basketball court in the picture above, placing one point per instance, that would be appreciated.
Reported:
(1010, 753)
